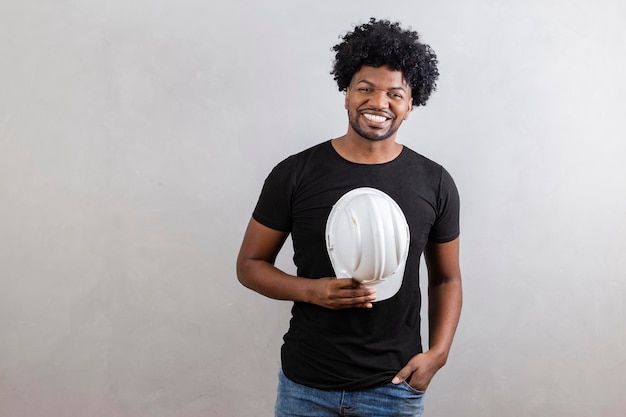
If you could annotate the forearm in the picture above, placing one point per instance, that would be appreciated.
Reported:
(445, 301)
(264, 278)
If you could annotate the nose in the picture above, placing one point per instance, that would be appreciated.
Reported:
(379, 99)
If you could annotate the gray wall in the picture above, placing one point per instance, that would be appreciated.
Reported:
(135, 137)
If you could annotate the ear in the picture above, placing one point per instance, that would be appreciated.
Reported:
(346, 98)
(408, 111)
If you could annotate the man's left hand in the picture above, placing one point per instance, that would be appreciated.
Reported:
(419, 371)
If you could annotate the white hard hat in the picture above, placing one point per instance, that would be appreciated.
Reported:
(367, 238)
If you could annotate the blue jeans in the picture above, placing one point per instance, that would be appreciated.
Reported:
(295, 400)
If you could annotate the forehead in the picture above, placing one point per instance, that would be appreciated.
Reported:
(382, 76)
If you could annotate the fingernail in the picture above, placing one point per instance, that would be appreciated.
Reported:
(395, 380)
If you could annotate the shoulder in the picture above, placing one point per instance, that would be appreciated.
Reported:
(430, 173)
(303, 159)
(315, 151)
(419, 160)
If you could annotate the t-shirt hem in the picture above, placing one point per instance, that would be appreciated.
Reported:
(371, 381)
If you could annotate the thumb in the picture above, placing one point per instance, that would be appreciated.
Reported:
(401, 376)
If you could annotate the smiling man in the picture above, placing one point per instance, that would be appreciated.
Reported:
(361, 210)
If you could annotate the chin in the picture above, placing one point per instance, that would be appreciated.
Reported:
(375, 137)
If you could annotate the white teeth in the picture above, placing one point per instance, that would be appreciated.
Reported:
(374, 117)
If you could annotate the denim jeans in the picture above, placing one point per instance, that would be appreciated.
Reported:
(295, 400)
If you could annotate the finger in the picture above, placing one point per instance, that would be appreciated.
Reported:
(364, 305)
(347, 299)
(402, 375)
(351, 291)
(359, 299)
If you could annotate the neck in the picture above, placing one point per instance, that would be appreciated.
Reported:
(364, 151)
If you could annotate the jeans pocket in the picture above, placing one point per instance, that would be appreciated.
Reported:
(414, 390)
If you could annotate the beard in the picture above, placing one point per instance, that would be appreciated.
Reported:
(372, 134)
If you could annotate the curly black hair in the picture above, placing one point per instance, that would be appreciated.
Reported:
(381, 42)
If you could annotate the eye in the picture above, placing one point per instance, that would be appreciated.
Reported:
(396, 96)
(364, 89)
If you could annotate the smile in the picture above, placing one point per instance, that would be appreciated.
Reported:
(374, 117)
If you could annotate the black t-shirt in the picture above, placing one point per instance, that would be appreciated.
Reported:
(354, 348)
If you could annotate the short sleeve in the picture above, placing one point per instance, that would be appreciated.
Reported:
(446, 227)
(273, 209)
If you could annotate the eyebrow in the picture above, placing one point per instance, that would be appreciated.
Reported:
(374, 85)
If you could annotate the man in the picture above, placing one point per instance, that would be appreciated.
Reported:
(347, 353)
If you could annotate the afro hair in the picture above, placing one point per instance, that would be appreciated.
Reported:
(379, 43)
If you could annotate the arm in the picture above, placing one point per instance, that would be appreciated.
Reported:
(444, 310)
(256, 270)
